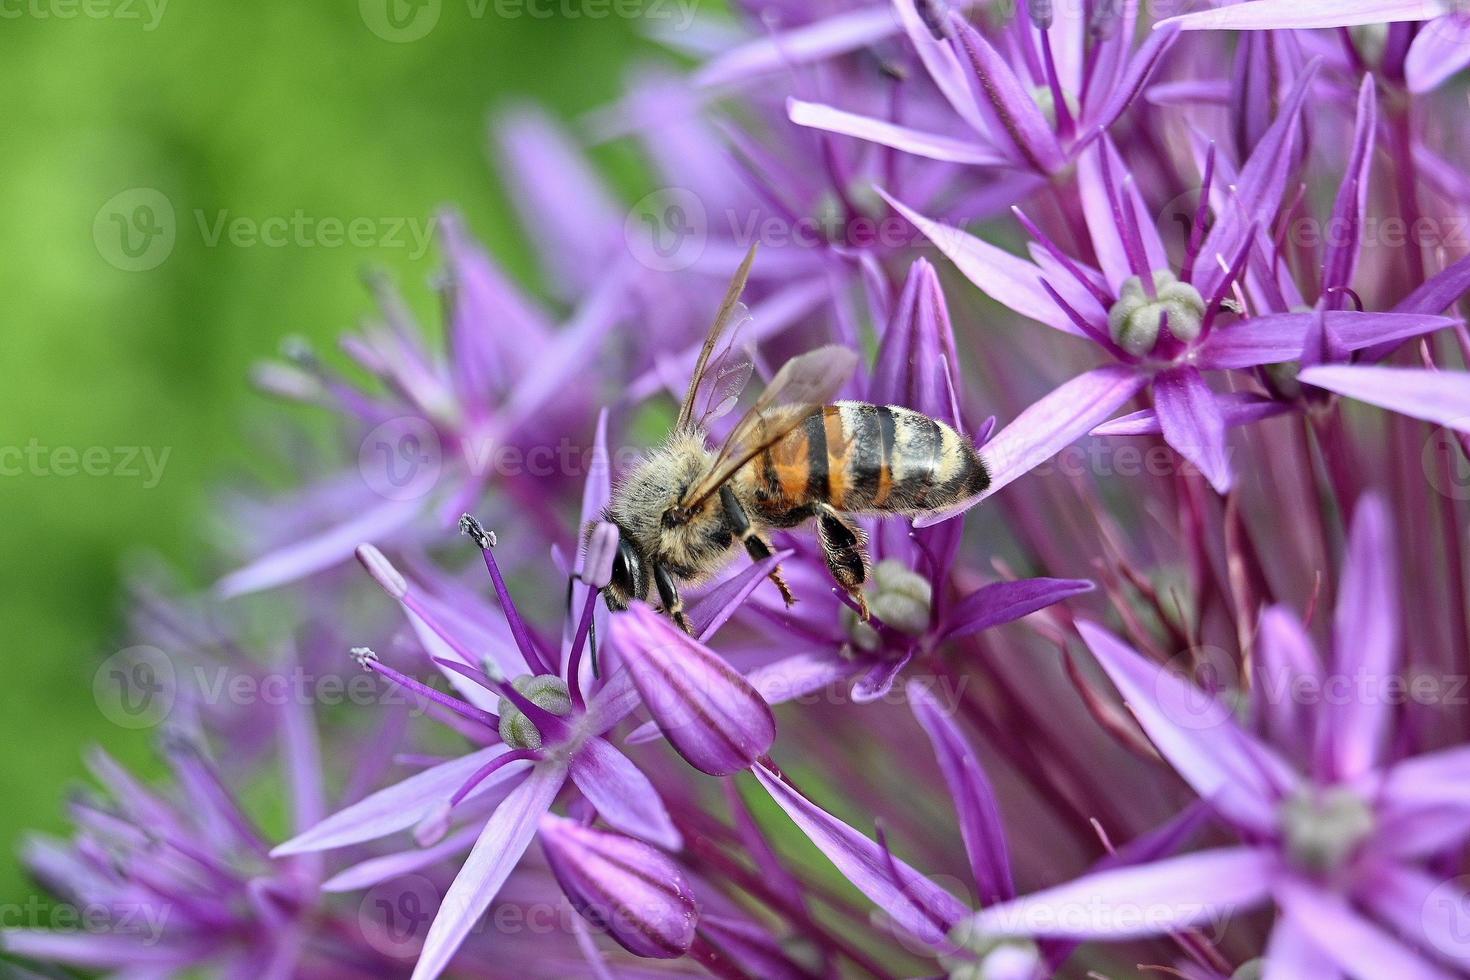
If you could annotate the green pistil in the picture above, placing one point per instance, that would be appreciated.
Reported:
(1322, 828)
(543, 690)
(1135, 318)
(898, 596)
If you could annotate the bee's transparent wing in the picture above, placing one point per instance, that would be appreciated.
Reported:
(801, 387)
(732, 312)
(726, 375)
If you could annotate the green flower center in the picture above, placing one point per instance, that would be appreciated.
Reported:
(544, 691)
(1322, 828)
(1136, 318)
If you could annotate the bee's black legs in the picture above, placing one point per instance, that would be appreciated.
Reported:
(847, 557)
(668, 594)
(755, 546)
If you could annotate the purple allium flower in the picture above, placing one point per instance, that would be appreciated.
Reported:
(1340, 849)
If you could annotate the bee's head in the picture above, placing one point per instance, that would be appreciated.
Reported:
(629, 574)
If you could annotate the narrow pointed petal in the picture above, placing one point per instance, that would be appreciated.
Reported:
(1286, 656)
(864, 863)
(799, 674)
(320, 551)
(714, 608)
(1242, 778)
(1359, 948)
(974, 798)
(707, 711)
(1006, 602)
(1008, 279)
(780, 51)
(401, 805)
(932, 146)
(1290, 954)
(1280, 337)
(1140, 70)
(634, 893)
(622, 795)
(1108, 241)
(1049, 426)
(1365, 644)
(1438, 779)
(1014, 117)
(1351, 208)
(495, 855)
(1236, 407)
(878, 681)
(1441, 397)
(1440, 51)
(366, 874)
(1176, 893)
(916, 356)
(1440, 292)
(1193, 423)
(1418, 904)
(1262, 15)
(91, 951)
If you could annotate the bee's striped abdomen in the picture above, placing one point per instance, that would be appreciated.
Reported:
(877, 458)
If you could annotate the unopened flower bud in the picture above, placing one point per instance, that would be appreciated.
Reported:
(631, 890)
(1136, 317)
(602, 549)
(543, 690)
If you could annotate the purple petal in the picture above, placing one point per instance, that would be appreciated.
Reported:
(100, 952)
(1193, 423)
(1352, 199)
(870, 870)
(1175, 894)
(1290, 955)
(1280, 337)
(1008, 279)
(1140, 69)
(1287, 657)
(974, 799)
(401, 805)
(1236, 407)
(1257, 15)
(319, 551)
(1365, 645)
(622, 795)
(1440, 291)
(1006, 602)
(1441, 397)
(707, 711)
(1107, 238)
(916, 356)
(639, 896)
(1011, 113)
(1439, 780)
(715, 607)
(1196, 734)
(878, 681)
(799, 674)
(1048, 427)
(1359, 948)
(782, 50)
(373, 871)
(1441, 50)
(1419, 905)
(495, 855)
(932, 146)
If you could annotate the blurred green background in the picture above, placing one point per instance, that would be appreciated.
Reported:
(256, 110)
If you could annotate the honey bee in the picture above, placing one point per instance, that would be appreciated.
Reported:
(792, 458)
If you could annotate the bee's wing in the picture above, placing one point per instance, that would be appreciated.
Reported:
(802, 386)
(731, 311)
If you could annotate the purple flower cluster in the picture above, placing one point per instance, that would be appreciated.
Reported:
(1188, 697)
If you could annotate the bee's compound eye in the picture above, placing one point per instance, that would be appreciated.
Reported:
(628, 576)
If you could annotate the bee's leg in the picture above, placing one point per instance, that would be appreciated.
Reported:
(756, 546)
(668, 594)
(844, 547)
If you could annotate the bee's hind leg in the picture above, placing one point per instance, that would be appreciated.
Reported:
(756, 546)
(668, 594)
(845, 548)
